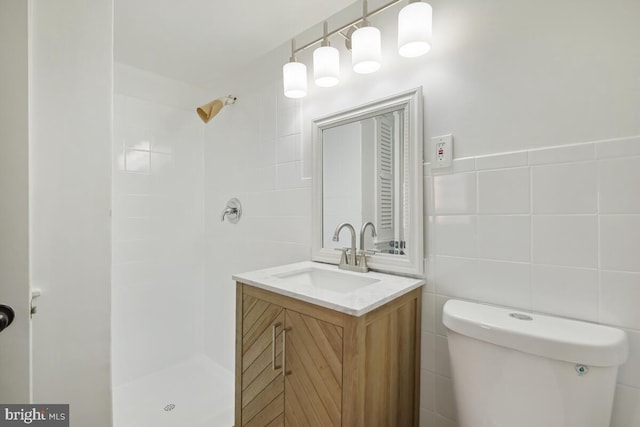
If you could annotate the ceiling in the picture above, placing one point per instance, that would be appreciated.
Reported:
(196, 40)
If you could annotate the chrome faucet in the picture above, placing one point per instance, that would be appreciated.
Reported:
(362, 230)
(352, 260)
(356, 261)
(362, 257)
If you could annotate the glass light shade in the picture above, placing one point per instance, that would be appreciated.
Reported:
(326, 66)
(365, 50)
(294, 77)
(414, 29)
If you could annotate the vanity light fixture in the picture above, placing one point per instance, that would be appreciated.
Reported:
(366, 46)
(294, 76)
(326, 63)
(414, 29)
(414, 37)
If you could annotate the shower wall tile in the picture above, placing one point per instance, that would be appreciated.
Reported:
(156, 227)
(289, 148)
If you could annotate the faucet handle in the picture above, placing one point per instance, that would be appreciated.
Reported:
(344, 259)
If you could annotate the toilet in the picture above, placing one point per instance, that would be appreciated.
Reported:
(516, 369)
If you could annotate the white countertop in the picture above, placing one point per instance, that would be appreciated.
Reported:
(360, 301)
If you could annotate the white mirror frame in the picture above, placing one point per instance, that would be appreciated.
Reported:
(411, 104)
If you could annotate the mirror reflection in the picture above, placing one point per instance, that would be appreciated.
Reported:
(364, 178)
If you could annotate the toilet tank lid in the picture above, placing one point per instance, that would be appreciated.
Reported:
(546, 336)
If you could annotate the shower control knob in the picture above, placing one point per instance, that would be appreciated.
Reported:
(6, 316)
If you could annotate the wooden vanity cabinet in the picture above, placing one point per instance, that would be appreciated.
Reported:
(299, 364)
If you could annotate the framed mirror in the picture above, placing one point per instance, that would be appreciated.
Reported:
(368, 167)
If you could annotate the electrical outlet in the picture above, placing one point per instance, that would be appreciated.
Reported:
(441, 151)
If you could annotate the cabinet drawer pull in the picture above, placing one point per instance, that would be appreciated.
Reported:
(273, 346)
(284, 352)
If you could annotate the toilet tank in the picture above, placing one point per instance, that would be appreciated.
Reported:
(516, 369)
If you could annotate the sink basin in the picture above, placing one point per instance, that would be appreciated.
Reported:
(325, 279)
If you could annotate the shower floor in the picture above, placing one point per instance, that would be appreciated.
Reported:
(195, 393)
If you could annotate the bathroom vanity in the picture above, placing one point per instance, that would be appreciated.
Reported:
(318, 346)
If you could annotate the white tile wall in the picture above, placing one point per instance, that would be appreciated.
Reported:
(157, 227)
(262, 166)
(556, 231)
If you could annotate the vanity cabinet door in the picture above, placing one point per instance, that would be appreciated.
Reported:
(262, 380)
(313, 364)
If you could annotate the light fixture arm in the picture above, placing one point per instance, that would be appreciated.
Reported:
(325, 30)
(344, 27)
(293, 51)
(365, 21)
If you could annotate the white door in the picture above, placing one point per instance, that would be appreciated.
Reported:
(14, 202)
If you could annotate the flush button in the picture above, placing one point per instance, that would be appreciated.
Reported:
(520, 316)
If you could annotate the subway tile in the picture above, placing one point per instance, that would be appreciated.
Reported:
(562, 154)
(565, 189)
(570, 241)
(466, 164)
(428, 351)
(287, 148)
(629, 373)
(427, 203)
(289, 175)
(428, 312)
(444, 422)
(620, 242)
(566, 292)
(505, 238)
(429, 273)
(427, 390)
(455, 277)
(427, 169)
(260, 178)
(456, 235)
(503, 283)
(289, 121)
(443, 365)
(427, 417)
(618, 186)
(502, 161)
(619, 297)
(618, 148)
(504, 191)
(440, 301)
(455, 194)
(445, 399)
(626, 407)
(137, 161)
